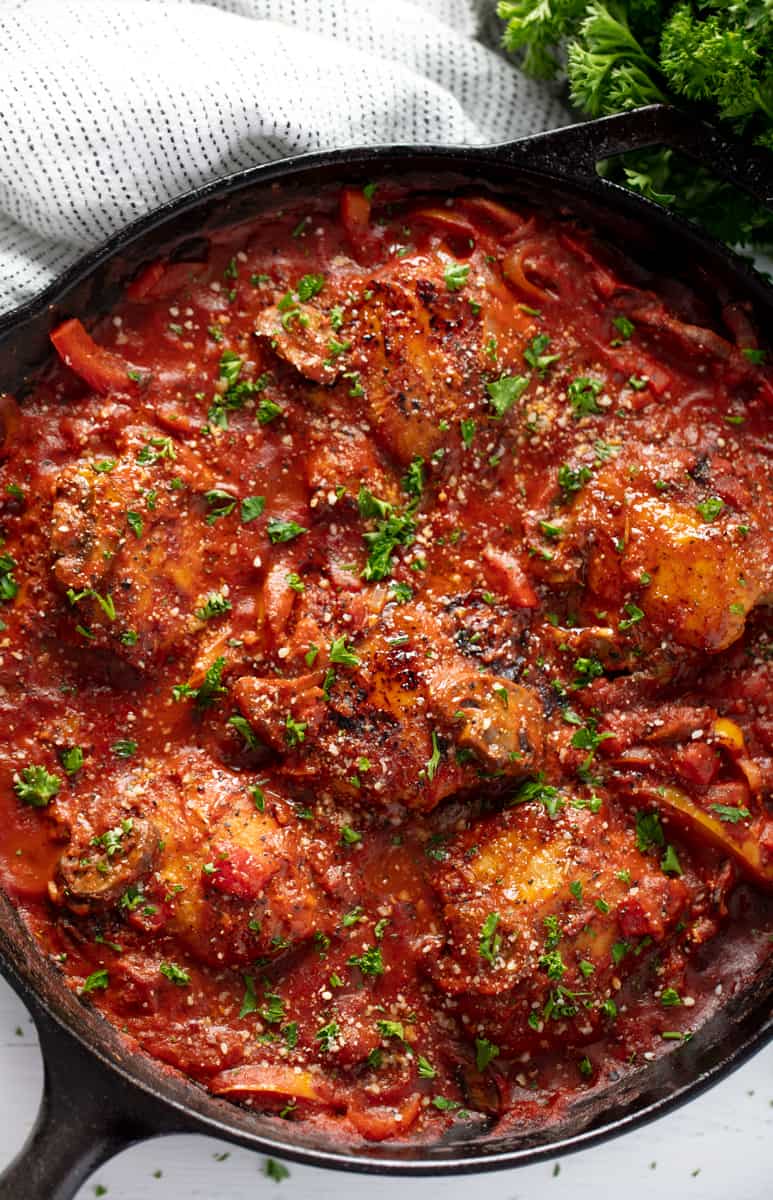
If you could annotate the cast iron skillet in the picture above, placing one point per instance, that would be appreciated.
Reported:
(99, 1096)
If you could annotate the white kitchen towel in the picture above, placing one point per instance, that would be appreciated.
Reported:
(110, 107)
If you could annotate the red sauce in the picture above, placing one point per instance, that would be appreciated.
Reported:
(384, 671)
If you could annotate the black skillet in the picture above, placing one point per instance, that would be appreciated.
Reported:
(99, 1096)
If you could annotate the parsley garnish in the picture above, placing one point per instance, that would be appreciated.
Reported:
(455, 276)
(370, 961)
(413, 480)
(545, 793)
(624, 327)
(582, 393)
(242, 726)
(504, 392)
(211, 687)
(433, 762)
(327, 1036)
(71, 760)
(571, 480)
(295, 731)
(124, 748)
(35, 786)
(215, 605)
(727, 812)
(535, 354)
(220, 503)
(252, 507)
(97, 980)
(308, 286)
(341, 654)
(485, 1053)
(175, 974)
(633, 615)
(283, 531)
(711, 508)
(490, 941)
(467, 430)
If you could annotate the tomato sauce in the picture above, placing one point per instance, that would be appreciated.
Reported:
(385, 662)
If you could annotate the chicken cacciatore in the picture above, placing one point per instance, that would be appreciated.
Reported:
(385, 665)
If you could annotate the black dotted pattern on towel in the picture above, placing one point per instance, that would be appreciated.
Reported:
(110, 107)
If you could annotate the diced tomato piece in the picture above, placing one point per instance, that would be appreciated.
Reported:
(634, 921)
(239, 873)
(101, 369)
(697, 763)
(505, 572)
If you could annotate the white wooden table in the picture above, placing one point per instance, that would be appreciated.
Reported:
(719, 1147)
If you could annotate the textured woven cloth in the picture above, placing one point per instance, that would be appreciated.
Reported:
(110, 107)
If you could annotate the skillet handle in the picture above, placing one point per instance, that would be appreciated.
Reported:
(577, 149)
(86, 1116)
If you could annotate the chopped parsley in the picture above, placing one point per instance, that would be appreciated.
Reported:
(36, 786)
(243, 727)
(327, 1036)
(275, 1171)
(467, 430)
(624, 327)
(649, 831)
(504, 392)
(633, 614)
(727, 812)
(96, 981)
(433, 762)
(252, 507)
(490, 941)
(9, 588)
(535, 355)
(124, 748)
(669, 864)
(582, 394)
(156, 449)
(176, 975)
(104, 602)
(370, 961)
(343, 655)
(134, 521)
(545, 793)
(711, 508)
(309, 286)
(455, 276)
(571, 480)
(396, 529)
(220, 503)
(71, 760)
(485, 1053)
(268, 411)
(283, 531)
(215, 605)
(425, 1068)
(413, 480)
(295, 732)
(210, 688)
(401, 593)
